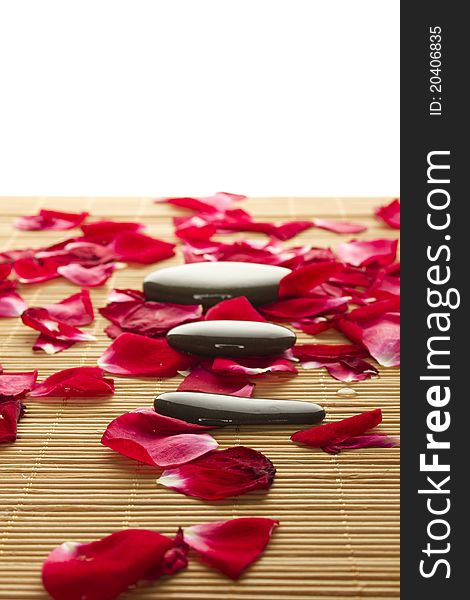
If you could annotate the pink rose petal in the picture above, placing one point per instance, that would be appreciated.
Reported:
(11, 304)
(16, 385)
(87, 276)
(372, 440)
(50, 219)
(380, 252)
(76, 309)
(339, 226)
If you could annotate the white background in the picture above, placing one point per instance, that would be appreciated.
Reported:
(165, 97)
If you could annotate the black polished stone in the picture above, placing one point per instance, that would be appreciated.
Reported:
(208, 283)
(231, 338)
(218, 409)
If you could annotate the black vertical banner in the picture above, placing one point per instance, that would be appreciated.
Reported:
(435, 251)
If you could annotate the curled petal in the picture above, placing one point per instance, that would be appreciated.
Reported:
(295, 308)
(334, 433)
(32, 270)
(380, 252)
(290, 229)
(339, 226)
(139, 248)
(351, 370)
(164, 425)
(76, 310)
(50, 345)
(201, 380)
(42, 321)
(132, 354)
(304, 279)
(138, 435)
(221, 474)
(219, 202)
(87, 276)
(235, 309)
(105, 568)
(253, 366)
(390, 213)
(50, 219)
(15, 385)
(382, 338)
(77, 382)
(10, 413)
(372, 440)
(231, 546)
(11, 304)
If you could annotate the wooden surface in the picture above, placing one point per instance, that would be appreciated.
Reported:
(339, 514)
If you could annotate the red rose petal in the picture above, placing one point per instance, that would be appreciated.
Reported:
(313, 326)
(164, 425)
(221, 474)
(194, 228)
(290, 229)
(373, 440)
(295, 308)
(50, 219)
(76, 382)
(137, 435)
(304, 279)
(219, 202)
(231, 546)
(87, 276)
(350, 370)
(42, 321)
(390, 213)
(15, 385)
(87, 253)
(132, 354)
(201, 380)
(368, 252)
(235, 309)
(139, 248)
(126, 295)
(76, 310)
(11, 304)
(5, 270)
(253, 366)
(339, 226)
(338, 431)
(10, 413)
(103, 569)
(106, 230)
(113, 331)
(31, 270)
(155, 318)
(50, 345)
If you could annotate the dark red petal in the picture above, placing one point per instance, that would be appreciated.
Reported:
(235, 309)
(368, 252)
(42, 321)
(103, 569)
(113, 331)
(87, 276)
(106, 230)
(390, 213)
(30, 270)
(15, 385)
(295, 308)
(50, 219)
(139, 248)
(373, 440)
(137, 435)
(331, 352)
(201, 380)
(11, 304)
(231, 546)
(10, 413)
(132, 354)
(333, 433)
(253, 366)
(221, 474)
(50, 345)
(304, 279)
(155, 318)
(339, 226)
(76, 310)
(77, 382)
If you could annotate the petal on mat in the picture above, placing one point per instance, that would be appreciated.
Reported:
(253, 366)
(155, 318)
(32, 270)
(303, 280)
(290, 229)
(338, 431)
(296, 308)
(373, 440)
(139, 248)
(76, 310)
(235, 309)
(163, 425)
(42, 321)
(339, 226)
(11, 304)
(87, 276)
(139, 355)
(50, 345)
(106, 230)
(15, 385)
(379, 252)
(201, 380)
(10, 413)
(77, 382)
(50, 219)
(382, 338)
(231, 546)
(5, 270)
(330, 352)
(390, 213)
(105, 568)
(219, 202)
(138, 435)
(351, 369)
(313, 326)
(221, 474)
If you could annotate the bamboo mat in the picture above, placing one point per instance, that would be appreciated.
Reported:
(339, 514)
